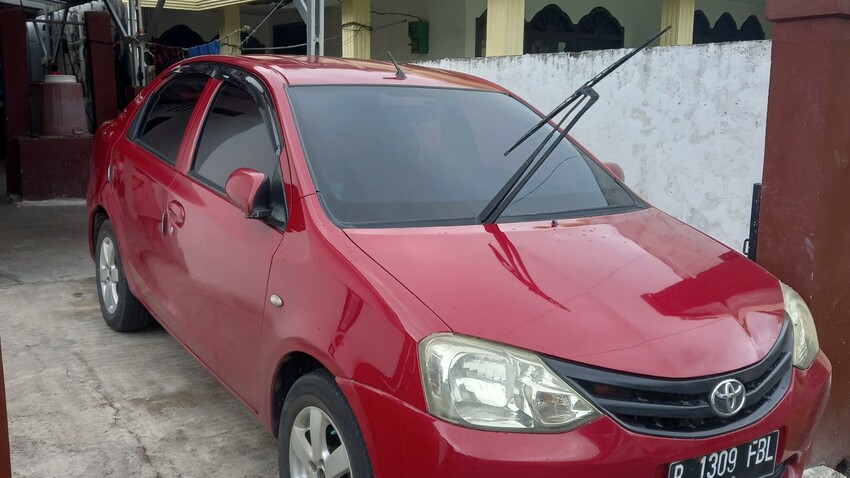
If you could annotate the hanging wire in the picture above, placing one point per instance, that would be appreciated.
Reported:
(347, 26)
(288, 47)
(397, 13)
(391, 13)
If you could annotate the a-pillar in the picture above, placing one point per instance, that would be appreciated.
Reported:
(356, 35)
(505, 27)
(678, 14)
(229, 30)
(804, 230)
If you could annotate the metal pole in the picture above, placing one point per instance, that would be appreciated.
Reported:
(313, 14)
(41, 41)
(141, 47)
(131, 46)
(116, 20)
(51, 22)
(320, 26)
(50, 36)
(155, 18)
(59, 38)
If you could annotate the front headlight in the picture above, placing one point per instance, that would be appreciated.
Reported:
(805, 335)
(484, 385)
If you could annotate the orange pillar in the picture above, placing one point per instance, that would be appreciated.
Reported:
(804, 234)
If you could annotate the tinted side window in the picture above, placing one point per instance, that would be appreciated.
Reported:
(234, 136)
(168, 115)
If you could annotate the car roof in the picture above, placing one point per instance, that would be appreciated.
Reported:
(325, 70)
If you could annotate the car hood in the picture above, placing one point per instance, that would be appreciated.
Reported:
(638, 292)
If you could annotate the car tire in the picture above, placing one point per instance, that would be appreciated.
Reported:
(316, 400)
(121, 310)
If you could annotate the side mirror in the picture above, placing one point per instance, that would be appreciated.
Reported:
(616, 170)
(249, 190)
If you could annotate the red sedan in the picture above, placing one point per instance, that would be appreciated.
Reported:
(310, 230)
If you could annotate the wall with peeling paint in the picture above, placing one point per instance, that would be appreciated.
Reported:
(686, 123)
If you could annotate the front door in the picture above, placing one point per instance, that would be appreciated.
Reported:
(222, 259)
(143, 166)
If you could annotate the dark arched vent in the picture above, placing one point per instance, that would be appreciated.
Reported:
(599, 30)
(751, 29)
(726, 29)
(702, 28)
(551, 30)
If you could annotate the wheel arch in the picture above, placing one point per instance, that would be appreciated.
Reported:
(99, 215)
(290, 368)
(96, 219)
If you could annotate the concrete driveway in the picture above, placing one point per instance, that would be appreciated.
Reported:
(88, 402)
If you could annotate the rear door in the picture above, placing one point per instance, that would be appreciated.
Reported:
(221, 259)
(143, 166)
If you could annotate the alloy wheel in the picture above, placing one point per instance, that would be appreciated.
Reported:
(316, 449)
(108, 275)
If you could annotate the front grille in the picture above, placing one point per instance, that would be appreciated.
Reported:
(680, 407)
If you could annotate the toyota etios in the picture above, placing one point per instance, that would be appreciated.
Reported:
(348, 248)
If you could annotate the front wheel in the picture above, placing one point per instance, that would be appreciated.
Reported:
(319, 437)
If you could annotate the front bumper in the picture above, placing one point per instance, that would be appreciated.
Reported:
(406, 441)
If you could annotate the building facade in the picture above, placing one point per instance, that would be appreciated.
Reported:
(418, 30)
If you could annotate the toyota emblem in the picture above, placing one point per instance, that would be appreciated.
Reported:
(728, 398)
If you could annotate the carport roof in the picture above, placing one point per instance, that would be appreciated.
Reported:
(193, 5)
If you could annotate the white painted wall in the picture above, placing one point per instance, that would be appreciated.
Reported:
(686, 123)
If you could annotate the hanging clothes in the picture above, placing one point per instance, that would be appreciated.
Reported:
(165, 56)
(211, 48)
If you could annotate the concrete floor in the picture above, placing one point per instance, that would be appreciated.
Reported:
(84, 401)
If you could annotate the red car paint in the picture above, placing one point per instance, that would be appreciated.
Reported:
(635, 292)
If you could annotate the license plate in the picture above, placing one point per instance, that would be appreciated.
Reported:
(755, 459)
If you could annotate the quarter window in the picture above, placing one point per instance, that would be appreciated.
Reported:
(234, 136)
(168, 116)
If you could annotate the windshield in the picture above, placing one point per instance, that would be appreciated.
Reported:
(406, 156)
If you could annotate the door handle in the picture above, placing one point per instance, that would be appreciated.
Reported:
(176, 213)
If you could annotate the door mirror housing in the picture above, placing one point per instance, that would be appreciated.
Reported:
(616, 170)
(250, 191)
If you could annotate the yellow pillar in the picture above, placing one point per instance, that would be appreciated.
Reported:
(356, 38)
(229, 22)
(679, 14)
(505, 27)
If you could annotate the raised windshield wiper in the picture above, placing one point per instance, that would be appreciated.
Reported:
(583, 97)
